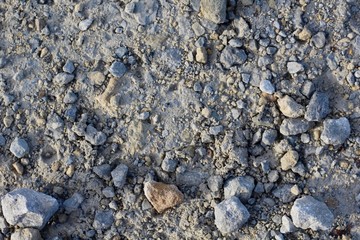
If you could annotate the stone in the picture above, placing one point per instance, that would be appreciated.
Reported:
(108, 192)
(294, 67)
(230, 215)
(119, 175)
(305, 34)
(162, 196)
(336, 131)
(26, 234)
(287, 226)
(73, 203)
(289, 160)
(266, 87)
(215, 183)
(94, 137)
(269, 137)
(307, 212)
(2, 140)
(213, 10)
(354, 22)
(96, 77)
(85, 24)
(69, 67)
(284, 193)
(319, 40)
(19, 147)
(117, 69)
(273, 176)
(103, 171)
(62, 79)
(70, 97)
(318, 107)
(103, 220)
(290, 108)
(201, 55)
(240, 187)
(169, 163)
(27, 208)
(231, 56)
(293, 126)
(144, 11)
(216, 130)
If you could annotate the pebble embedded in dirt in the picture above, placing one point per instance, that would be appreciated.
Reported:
(19, 147)
(336, 131)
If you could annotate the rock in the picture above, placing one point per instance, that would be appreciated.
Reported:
(3, 62)
(273, 176)
(117, 69)
(294, 126)
(103, 171)
(284, 193)
(289, 160)
(307, 212)
(94, 137)
(354, 22)
(266, 87)
(305, 34)
(70, 97)
(213, 10)
(26, 234)
(85, 24)
(169, 163)
(290, 108)
(230, 215)
(2, 140)
(287, 225)
(216, 130)
(162, 196)
(96, 78)
(318, 107)
(201, 55)
(231, 56)
(144, 11)
(103, 220)
(69, 67)
(19, 147)
(215, 183)
(294, 67)
(108, 192)
(27, 208)
(319, 40)
(71, 204)
(269, 137)
(62, 79)
(119, 175)
(336, 131)
(240, 187)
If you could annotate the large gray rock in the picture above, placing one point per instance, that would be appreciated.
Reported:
(19, 147)
(294, 126)
(231, 56)
(318, 107)
(27, 208)
(230, 215)
(214, 10)
(241, 187)
(336, 131)
(307, 212)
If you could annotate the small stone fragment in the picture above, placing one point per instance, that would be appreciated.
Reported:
(307, 212)
(289, 160)
(305, 34)
(169, 163)
(85, 24)
(103, 171)
(18, 168)
(287, 225)
(69, 67)
(162, 196)
(213, 10)
(231, 56)
(336, 131)
(117, 69)
(269, 136)
(96, 78)
(62, 79)
(94, 137)
(230, 215)
(284, 193)
(103, 220)
(215, 183)
(240, 187)
(290, 108)
(71, 204)
(294, 67)
(26, 234)
(119, 175)
(266, 87)
(319, 40)
(201, 55)
(19, 147)
(318, 107)
(294, 126)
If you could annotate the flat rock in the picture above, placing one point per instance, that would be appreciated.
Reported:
(27, 208)
(19, 147)
(162, 196)
(318, 107)
(230, 215)
(290, 108)
(336, 131)
(213, 10)
(294, 126)
(240, 187)
(307, 212)
(231, 56)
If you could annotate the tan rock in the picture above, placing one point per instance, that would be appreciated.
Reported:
(26, 234)
(201, 55)
(305, 34)
(162, 196)
(289, 160)
(290, 108)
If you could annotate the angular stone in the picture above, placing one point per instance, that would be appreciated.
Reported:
(230, 215)
(103, 220)
(62, 79)
(285, 193)
(27, 208)
(290, 108)
(319, 40)
(96, 78)
(201, 55)
(287, 226)
(213, 10)
(294, 67)
(307, 212)
(294, 126)
(289, 160)
(318, 107)
(162, 196)
(119, 175)
(26, 234)
(85, 24)
(19, 147)
(231, 56)
(73, 203)
(267, 87)
(240, 187)
(336, 131)
(117, 69)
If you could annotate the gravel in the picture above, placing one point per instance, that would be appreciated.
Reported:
(266, 87)
(290, 108)
(336, 131)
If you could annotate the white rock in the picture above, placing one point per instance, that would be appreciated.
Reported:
(85, 24)
(294, 67)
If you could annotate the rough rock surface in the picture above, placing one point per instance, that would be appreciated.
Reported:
(336, 131)
(214, 10)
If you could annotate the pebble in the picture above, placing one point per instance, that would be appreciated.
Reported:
(19, 147)
(94, 137)
(307, 212)
(216, 130)
(96, 78)
(70, 97)
(108, 192)
(287, 226)
(284, 193)
(26, 234)
(62, 79)
(117, 69)
(103, 171)
(119, 175)
(289, 160)
(143, 116)
(230, 215)
(19, 209)
(305, 34)
(215, 183)
(201, 55)
(336, 131)
(169, 163)
(290, 108)
(69, 67)
(2, 140)
(319, 40)
(162, 196)
(73, 203)
(294, 126)
(266, 87)
(2, 62)
(18, 168)
(231, 56)
(294, 67)
(318, 107)
(85, 24)
(273, 176)
(213, 10)
(240, 187)
(269, 137)
(103, 219)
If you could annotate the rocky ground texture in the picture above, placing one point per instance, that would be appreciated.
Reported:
(180, 119)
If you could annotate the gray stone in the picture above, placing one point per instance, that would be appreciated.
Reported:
(169, 163)
(246, 2)
(108, 192)
(85, 24)
(215, 183)
(119, 175)
(27, 208)
(26, 234)
(307, 88)
(62, 79)
(4, 226)
(307, 212)
(2, 62)
(213, 10)
(190, 178)
(266, 87)
(19, 147)
(240, 155)
(103, 171)
(71, 204)
(284, 193)
(287, 226)
(70, 97)
(294, 126)
(2, 140)
(144, 11)
(273, 176)
(241, 187)
(94, 137)
(259, 188)
(117, 69)
(336, 131)
(318, 107)
(319, 40)
(215, 130)
(269, 136)
(354, 23)
(103, 220)
(290, 108)
(231, 56)
(230, 215)
(294, 67)
(69, 67)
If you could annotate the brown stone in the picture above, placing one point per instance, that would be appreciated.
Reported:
(162, 196)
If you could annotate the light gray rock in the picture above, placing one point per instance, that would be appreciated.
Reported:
(169, 163)
(269, 136)
(307, 212)
(62, 79)
(215, 130)
(119, 175)
(336, 131)
(289, 160)
(117, 69)
(69, 67)
(213, 10)
(230, 215)
(294, 67)
(284, 193)
(71, 204)
(266, 87)
(294, 126)
(287, 226)
(19, 147)
(94, 137)
(26, 234)
(85, 24)
(241, 187)
(231, 56)
(103, 220)
(290, 108)
(215, 183)
(319, 40)
(318, 107)
(27, 208)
